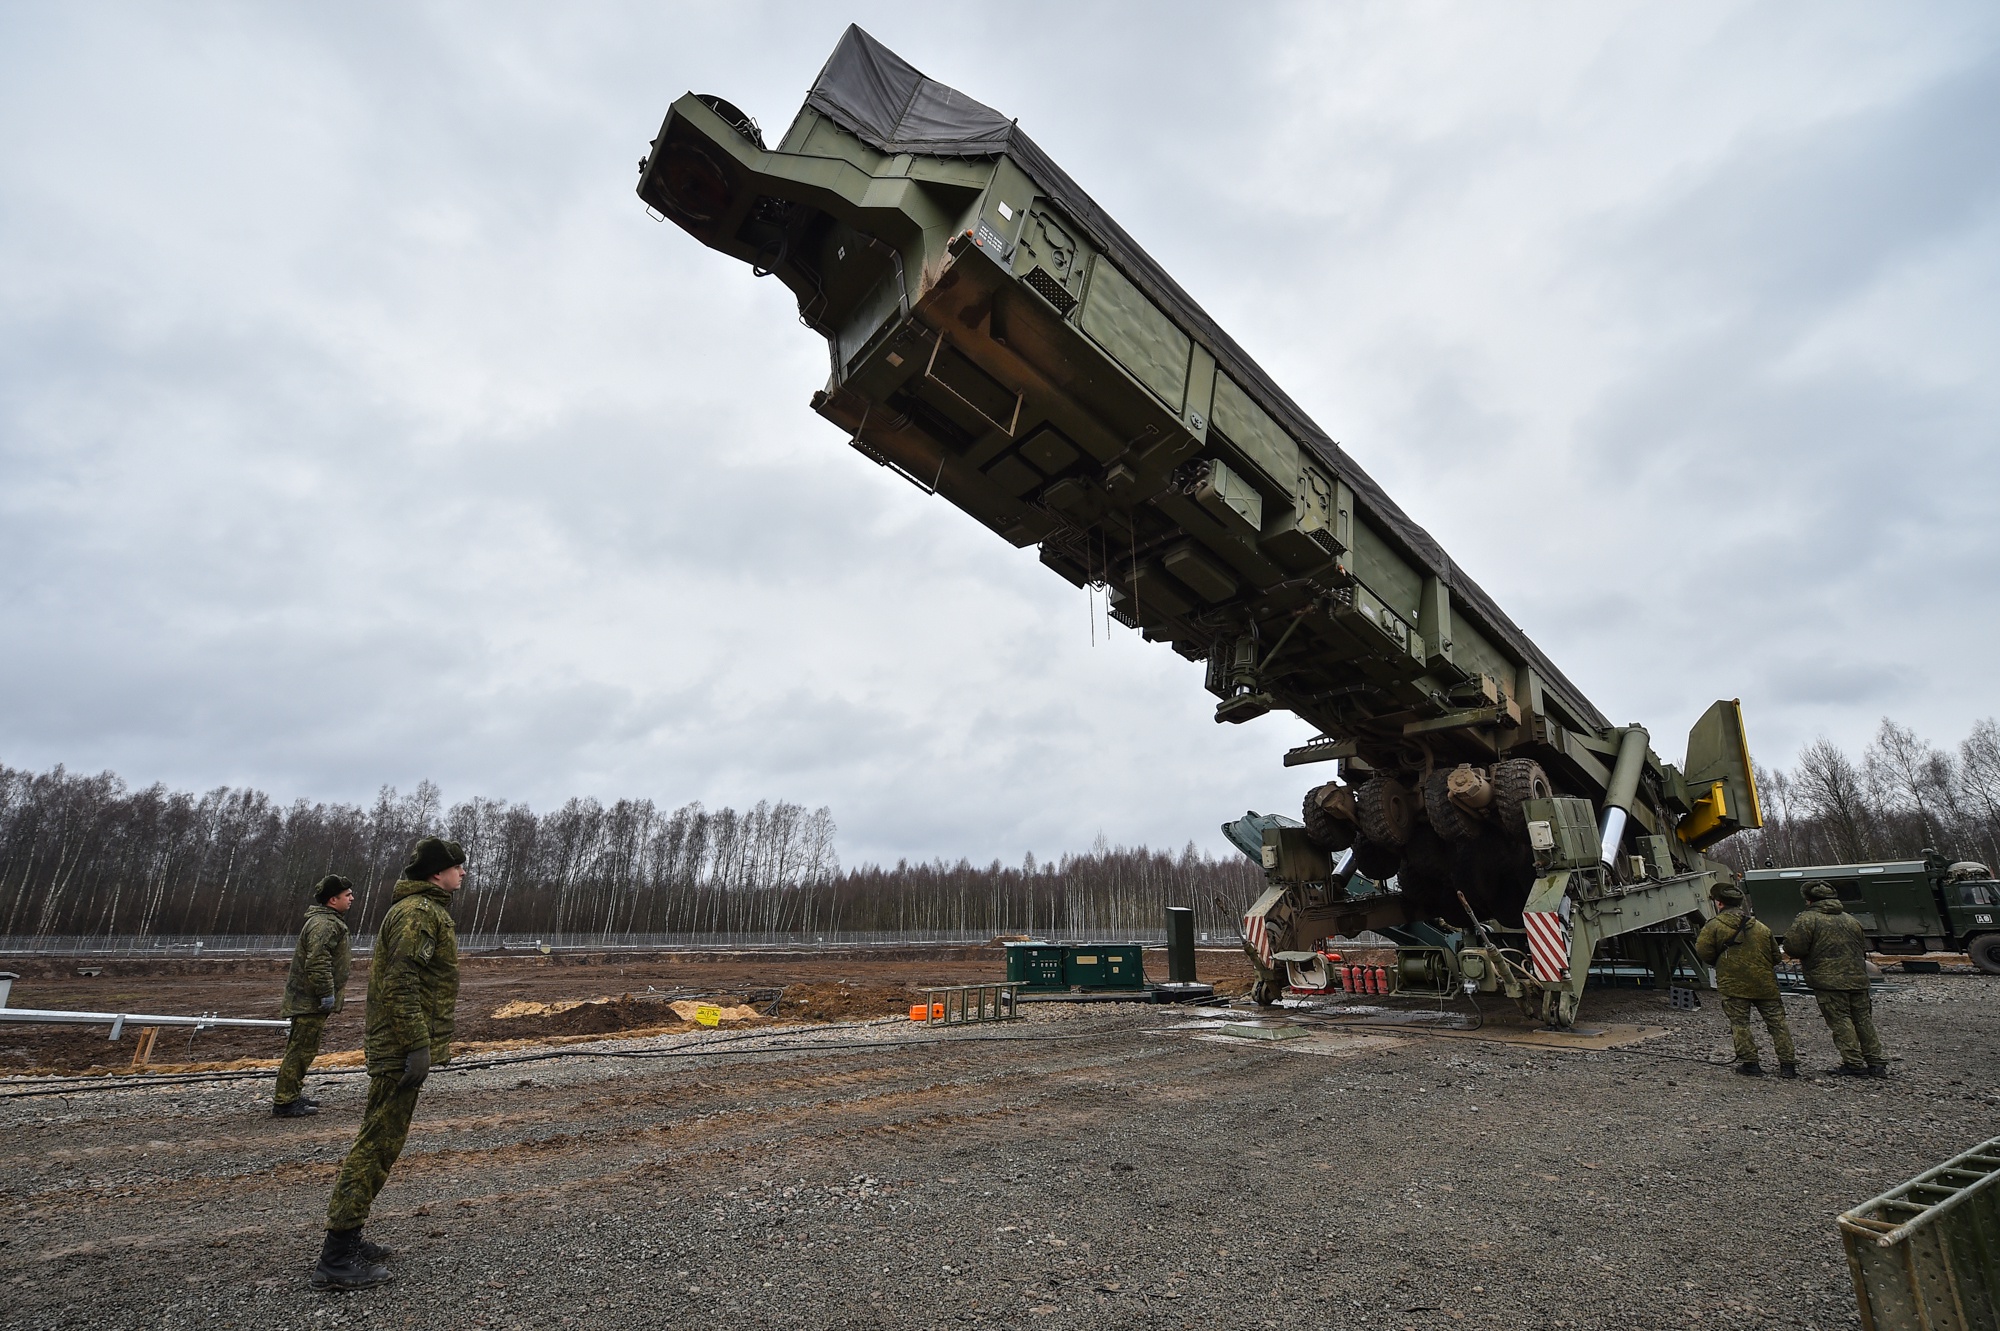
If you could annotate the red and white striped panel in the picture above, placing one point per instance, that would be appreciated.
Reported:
(1253, 934)
(1548, 945)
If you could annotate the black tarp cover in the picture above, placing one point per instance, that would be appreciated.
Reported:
(882, 99)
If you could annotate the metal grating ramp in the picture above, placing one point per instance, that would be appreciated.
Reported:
(1925, 1256)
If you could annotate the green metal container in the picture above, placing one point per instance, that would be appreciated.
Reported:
(1105, 966)
(1036, 967)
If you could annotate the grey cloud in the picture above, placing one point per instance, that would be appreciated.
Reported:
(1844, 683)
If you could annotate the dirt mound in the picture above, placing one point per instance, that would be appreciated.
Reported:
(837, 1000)
(599, 1016)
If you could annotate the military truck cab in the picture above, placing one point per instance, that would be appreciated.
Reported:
(1907, 907)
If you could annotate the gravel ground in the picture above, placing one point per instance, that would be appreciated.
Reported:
(1091, 1165)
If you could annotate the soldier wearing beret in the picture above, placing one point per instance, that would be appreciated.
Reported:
(412, 1001)
(1832, 950)
(315, 989)
(1745, 957)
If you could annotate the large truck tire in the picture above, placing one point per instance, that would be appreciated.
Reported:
(1322, 828)
(1985, 953)
(1385, 811)
(1515, 782)
(1447, 819)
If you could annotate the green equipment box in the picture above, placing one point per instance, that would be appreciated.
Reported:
(1059, 967)
(1105, 966)
(1036, 966)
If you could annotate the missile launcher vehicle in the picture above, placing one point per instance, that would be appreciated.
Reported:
(996, 339)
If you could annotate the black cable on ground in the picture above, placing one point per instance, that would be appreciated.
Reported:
(85, 1085)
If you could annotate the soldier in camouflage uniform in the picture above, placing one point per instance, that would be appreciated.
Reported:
(1832, 949)
(412, 1002)
(1745, 957)
(315, 989)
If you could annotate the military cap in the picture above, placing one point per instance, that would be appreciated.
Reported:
(330, 887)
(1727, 893)
(432, 856)
(1820, 890)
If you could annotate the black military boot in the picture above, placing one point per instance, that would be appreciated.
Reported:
(341, 1265)
(300, 1108)
(1788, 1069)
(1750, 1069)
(1876, 1070)
(309, 1102)
(375, 1252)
(1844, 1071)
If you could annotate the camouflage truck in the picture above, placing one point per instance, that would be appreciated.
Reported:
(996, 339)
(1908, 907)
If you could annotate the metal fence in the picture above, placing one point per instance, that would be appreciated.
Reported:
(225, 945)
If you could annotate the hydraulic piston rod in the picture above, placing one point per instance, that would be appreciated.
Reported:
(1624, 788)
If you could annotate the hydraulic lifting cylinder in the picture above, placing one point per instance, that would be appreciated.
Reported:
(1622, 790)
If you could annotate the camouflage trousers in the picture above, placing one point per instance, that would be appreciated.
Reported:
(385, 1126)
(301, 1048)
(1850, 1015)
(1738, 1011)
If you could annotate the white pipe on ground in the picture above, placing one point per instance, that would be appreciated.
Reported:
(50, 1017)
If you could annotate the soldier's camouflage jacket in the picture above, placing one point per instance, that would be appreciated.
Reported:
(319, 965)
(413, 979)
(1744, 954)
(1831, 946)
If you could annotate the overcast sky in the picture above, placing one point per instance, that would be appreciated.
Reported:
(358, 426)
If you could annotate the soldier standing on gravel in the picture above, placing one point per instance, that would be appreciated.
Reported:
(1832, 950)
(1745, 957)
(412, 1002)
(315, 989)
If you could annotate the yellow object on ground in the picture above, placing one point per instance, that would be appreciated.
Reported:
(711, 1014)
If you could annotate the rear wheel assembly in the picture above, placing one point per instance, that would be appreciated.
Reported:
(1447, 819)
(1515, 782)
(1385, 811)
(1324, 828)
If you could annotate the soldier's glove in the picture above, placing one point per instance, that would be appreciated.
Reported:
(326, 1004)
(416, 1067)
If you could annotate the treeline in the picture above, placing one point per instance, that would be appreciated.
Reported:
(1902, 796)
(86, 855)
(1109, 890)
